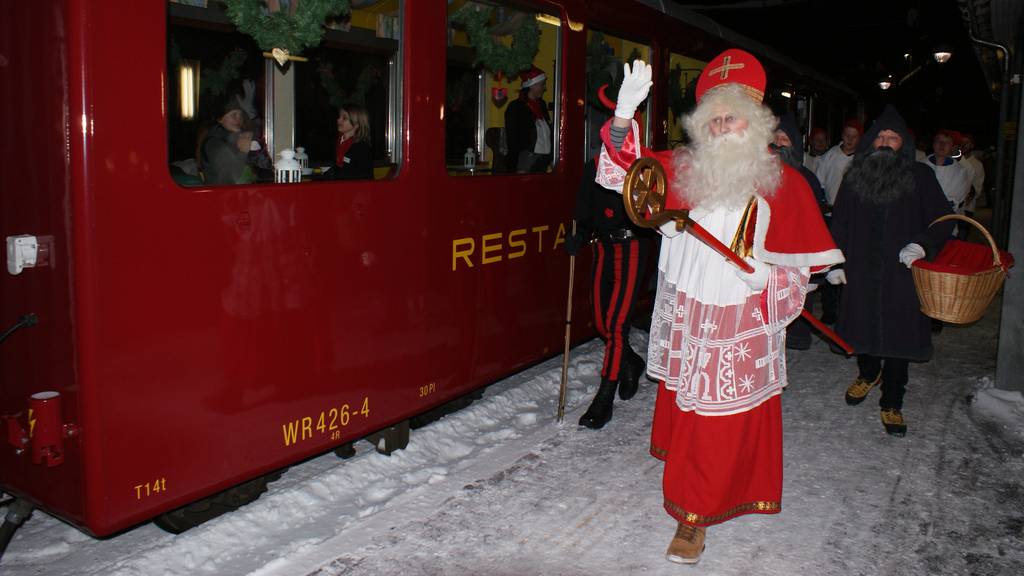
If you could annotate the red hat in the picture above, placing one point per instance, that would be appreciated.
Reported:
(855, 124)
(951, 134)
(733, 66)
(532, 76)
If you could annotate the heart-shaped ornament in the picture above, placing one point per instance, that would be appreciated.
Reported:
(279, 54)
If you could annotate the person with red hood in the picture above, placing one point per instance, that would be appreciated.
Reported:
(528, 132)
(717, 339)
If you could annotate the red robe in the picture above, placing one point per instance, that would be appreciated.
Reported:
(719, 346)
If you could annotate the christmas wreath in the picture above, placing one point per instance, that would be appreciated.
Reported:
(213, 81)
(495, 56)
(300, 26)
(368, 77)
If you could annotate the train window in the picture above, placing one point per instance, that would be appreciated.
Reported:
(605, 56)
(683, 72)
(496, 123)
(233, 109)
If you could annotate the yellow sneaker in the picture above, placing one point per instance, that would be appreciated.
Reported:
(687, 545)
(858, 391)
(893, 421)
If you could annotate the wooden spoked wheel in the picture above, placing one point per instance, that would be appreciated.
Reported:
(643, 192)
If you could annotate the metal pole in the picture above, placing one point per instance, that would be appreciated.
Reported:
(1002, 196)
(568, 333)
(1010, 358)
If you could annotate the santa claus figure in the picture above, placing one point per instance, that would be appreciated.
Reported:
(717, 340)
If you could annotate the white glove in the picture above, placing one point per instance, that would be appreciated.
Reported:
(811, 287)
(248, 100)
(758, 279)
(911, 253)
(836, 277)
(636, 83)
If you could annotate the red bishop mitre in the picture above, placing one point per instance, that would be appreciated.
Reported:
(733, 66)
(532, 76)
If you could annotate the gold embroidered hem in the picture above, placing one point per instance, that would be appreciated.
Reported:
(698, 520)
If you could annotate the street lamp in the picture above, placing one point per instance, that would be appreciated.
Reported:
(942, 54)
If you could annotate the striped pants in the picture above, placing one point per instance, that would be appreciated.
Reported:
(618, 265)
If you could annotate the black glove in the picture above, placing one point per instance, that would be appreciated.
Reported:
(573, 243)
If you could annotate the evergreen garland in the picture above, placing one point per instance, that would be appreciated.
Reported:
(676, 91)
(495, 56)
(368, 77)
(216, 82)
(599, 66)
(292, 32)
(211, 81)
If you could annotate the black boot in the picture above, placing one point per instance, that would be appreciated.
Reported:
(629, 376)
(600, 410)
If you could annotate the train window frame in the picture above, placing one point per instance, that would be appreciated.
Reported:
(483, 150)
(672, 123)
(590, 146)
(350, 37)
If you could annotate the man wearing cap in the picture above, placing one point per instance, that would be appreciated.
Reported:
(717, 340)
(882, 221)
(223, 153)
(528, 125)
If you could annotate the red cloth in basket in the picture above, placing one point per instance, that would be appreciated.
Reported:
(959, 257)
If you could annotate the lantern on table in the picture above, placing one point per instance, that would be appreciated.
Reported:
(287, 169)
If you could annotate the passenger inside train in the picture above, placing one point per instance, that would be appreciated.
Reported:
(353, 155)
(225, 148)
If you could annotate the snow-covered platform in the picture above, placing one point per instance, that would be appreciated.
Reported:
(501, 489)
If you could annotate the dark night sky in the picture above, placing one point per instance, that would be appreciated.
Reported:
(867, 42)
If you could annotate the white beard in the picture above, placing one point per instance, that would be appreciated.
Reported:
(725, 171)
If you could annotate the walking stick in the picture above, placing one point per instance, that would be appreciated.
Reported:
(643, 193)
(568, 331)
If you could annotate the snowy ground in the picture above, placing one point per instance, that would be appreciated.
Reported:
(500, 489)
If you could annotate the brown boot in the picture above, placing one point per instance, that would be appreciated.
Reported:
(687, 545)
(858, 391)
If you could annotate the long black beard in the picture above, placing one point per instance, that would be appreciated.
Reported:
(881, 177)
(786, 154)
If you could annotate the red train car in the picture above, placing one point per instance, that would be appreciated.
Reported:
(170, 338)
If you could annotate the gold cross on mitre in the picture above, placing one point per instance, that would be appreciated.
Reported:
(726, 67)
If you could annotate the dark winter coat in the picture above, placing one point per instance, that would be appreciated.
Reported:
(880, 313)
(358, 163)
(521, 136)
(223, 162)
(788, 125)
(599, 213)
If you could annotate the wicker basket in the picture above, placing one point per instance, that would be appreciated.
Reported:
(959, 298)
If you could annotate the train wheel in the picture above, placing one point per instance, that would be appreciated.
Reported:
(345, 451)
(194, 514)
(391, 438)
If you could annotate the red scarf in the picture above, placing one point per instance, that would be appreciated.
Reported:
(340, 149)
(535, 107)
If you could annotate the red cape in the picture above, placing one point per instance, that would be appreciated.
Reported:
(789, 230)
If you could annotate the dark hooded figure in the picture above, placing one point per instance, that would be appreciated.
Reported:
(788, 144)
(881, 222)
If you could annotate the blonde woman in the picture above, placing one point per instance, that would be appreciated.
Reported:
(354, 157)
